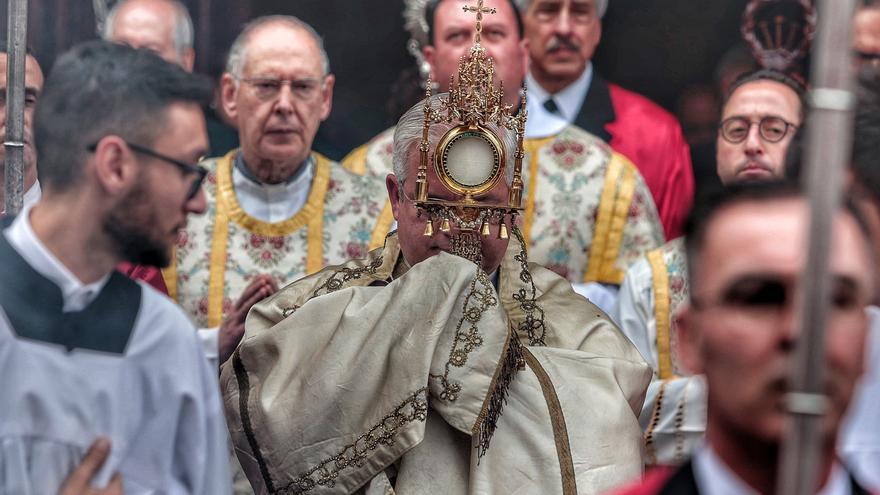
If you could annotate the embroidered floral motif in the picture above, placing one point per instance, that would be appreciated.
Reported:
(284, 257)
(571, 174)
(481, 297)
(266, 252)
(414, 408)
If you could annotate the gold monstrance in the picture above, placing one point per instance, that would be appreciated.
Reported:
(470, 158)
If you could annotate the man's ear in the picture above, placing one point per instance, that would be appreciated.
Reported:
(327, 96)
(188, 59)
(393, 193)
(526, 59)
(228, 90)
(429, 52)
(114, 166)
(689, 339)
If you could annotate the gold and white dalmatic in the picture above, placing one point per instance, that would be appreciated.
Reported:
(674, 414)
(220, 252)
(360, 379)
(588, 213)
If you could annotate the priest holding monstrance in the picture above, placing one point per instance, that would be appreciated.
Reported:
(444, 362)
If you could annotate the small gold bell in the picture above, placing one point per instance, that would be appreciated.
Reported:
(429, 229)
(485, 228)
(444, 225)
(502, 231)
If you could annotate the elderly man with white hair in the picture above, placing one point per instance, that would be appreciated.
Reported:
(566, 89)
(276, 210)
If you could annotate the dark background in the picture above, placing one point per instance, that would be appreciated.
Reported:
(655, 47)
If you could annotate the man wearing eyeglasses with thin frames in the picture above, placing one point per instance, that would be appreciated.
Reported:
(761, 115)
(89, 356)
(762, 112)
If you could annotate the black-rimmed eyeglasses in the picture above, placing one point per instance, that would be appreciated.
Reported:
(771, 129)
(188, 168)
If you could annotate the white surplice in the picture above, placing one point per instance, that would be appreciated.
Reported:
(156, 400)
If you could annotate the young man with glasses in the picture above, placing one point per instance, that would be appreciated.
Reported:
(87, 353)
(761, 115)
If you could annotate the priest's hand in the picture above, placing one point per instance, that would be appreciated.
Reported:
(232, 329)
(78, 482)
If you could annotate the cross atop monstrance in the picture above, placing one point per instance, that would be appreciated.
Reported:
(480, 10)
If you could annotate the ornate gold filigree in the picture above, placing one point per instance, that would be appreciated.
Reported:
(481, 297)
(343, 275)
(533, 323)
(414, 408)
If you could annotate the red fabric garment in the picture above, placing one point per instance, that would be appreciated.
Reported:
(148, 274)
(651, 484)
(652, 139)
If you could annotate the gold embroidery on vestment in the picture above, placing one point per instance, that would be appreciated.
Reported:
(532, 325)
(414, 408)
(333, 283)
(476, 303)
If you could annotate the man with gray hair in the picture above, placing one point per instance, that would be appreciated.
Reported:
(276, 210)
(163, 26)
(449, 364)
(565, 89)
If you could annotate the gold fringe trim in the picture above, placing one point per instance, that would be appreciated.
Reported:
(487, 421)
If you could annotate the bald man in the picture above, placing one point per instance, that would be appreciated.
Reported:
(163, 26)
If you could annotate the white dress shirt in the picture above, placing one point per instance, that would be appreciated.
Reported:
(542, 123)
(860, 440)
(713, 477)
(273, 202)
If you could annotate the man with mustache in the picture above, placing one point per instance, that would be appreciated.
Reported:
(562, 38)
(576, 189)
(760, 117)
(276, 209)
(739, 329)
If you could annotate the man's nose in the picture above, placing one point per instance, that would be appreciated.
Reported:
(198, 204)
(754, 144)
(562, 26)
(284, 101)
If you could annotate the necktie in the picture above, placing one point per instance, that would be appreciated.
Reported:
(550, 106)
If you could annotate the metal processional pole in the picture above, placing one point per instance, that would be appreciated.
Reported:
(828, 145)
(14, 139)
